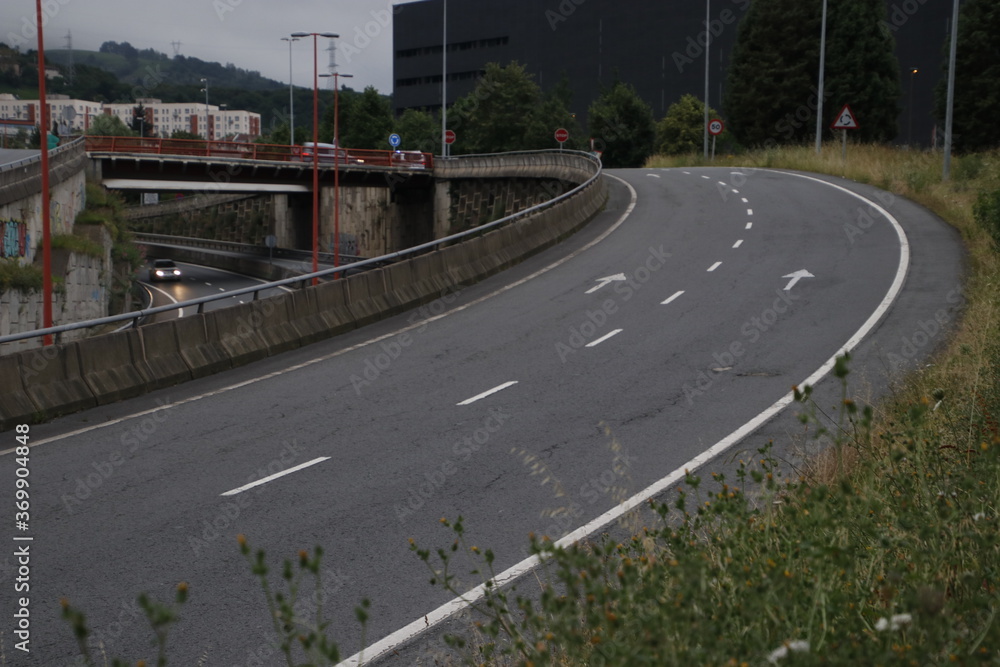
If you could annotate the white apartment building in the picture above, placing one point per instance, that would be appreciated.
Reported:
(212, 122)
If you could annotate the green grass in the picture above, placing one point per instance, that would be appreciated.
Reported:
(17, 276)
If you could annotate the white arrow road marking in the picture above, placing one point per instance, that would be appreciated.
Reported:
(601, 282)
(275, 476)
(796, 277)
(488, 393)
(595, 343)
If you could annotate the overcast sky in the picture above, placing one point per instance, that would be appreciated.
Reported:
(246, 33)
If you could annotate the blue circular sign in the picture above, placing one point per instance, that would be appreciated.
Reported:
(394, 140)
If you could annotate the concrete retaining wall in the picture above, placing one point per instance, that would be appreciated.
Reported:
(41, 384)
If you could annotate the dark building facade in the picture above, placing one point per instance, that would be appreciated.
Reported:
(658, 47)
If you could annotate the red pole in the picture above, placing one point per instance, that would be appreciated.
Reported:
(315, 221)
(46, 218)
(336, 171)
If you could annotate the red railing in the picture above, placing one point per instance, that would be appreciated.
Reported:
(249, 151)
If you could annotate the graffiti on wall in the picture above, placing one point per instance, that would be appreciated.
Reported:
(13, 238)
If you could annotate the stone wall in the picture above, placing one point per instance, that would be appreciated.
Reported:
(235, 218)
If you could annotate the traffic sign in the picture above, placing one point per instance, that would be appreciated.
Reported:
(562, 135)
(450, 136)
(715, 127)
(845, 119)
(394, 140)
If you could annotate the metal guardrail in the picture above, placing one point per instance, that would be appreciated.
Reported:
(241, 248)
(305, 279)
(248, 151)
(17, 164)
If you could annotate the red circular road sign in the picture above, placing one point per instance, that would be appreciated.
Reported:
(715, 127)
(562, 135)
(450, 136)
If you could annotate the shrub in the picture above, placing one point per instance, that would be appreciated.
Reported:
(987, 213)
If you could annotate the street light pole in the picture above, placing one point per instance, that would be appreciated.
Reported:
(43, 114)
(950, 105)
(336, 162)
(909, 137)
(444, 80)
(315, 147)
(291, 93)
(708, 39)
(208, 135)
(819, 86)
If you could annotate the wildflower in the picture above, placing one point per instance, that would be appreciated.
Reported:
(978, 515)
(896, 622)
(794, 646)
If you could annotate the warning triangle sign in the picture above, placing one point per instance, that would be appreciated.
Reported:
(845, 120)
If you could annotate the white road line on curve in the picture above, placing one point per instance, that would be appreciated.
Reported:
(240, 275)
(749, 211)
(706, 177)
(745, 200)
(595, 343)
(271, 478)
(749, 225)
(723, 183)
(180, 311)
(686, 172)
(672, 297)
(738, 244)
(452, 607)
(488, 392)
(715, 266)
(653, 175)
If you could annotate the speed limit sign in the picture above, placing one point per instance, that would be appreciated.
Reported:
(715, 127)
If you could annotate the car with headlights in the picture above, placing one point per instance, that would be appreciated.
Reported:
(164, 269)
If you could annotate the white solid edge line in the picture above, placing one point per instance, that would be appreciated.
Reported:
(180, 311)
(378, 339)
(488, 392)
(595, 343)
(445, 611)
(672, 297)
(271, 478)
(715, 266)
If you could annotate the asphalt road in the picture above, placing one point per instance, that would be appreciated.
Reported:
(613, 359)
(200, 281)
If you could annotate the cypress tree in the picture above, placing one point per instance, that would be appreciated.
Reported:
(773, 94)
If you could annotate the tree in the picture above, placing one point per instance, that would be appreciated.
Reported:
(419, 131)
(496, 116)
(682, 130)
(977, 78)
(184, 134)
(140, 122)
(623, 125)
(106, 125)
(552, 113)
(366, 120)
(772, 96)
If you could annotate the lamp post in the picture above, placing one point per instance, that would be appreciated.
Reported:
(708, 40)
(444, 80)
(909, 138)
(819, 86)
(208, 134)
(315, 148)
(336, 162)
(43, 113)
(291, 94)
(222, 115)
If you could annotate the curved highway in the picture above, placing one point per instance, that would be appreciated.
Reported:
(199, 281)
(534, 401)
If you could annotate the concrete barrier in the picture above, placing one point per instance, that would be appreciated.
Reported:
(110, 366)
(161, 359)
(15, 406)
(76, 376)
(202, 355)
